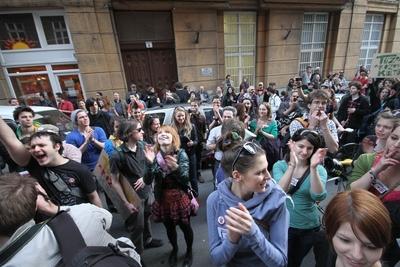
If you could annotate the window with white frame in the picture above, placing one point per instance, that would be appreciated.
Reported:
(240, 46)
(371, 38)
(39, 29)
(313, 39)
(55, 30)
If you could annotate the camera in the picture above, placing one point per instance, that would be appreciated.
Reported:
(334, 167)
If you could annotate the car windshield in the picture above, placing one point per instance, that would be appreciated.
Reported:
(56, 118)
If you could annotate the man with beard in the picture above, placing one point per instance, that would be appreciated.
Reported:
(66, 181)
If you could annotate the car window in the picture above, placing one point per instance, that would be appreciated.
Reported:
(56, 118)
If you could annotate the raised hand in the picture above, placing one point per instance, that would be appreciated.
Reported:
(88, 134)
(172, 162)
(149, 153)
(318, 157)
(293, 157)
(386, 161)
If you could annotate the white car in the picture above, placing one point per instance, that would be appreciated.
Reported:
(43, 115)
(164, 113)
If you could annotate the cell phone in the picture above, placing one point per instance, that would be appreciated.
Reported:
(299, 79)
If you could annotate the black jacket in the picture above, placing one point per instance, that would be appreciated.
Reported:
(354, 120)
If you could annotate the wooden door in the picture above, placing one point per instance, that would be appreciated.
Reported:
(150, 67)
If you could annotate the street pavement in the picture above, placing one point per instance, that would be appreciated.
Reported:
(158, 257)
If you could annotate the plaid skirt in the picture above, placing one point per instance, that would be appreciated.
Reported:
(174, 205)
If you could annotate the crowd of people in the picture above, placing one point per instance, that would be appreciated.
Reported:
(269, 148)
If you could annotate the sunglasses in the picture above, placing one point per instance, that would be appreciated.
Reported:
(139, 129)
(249, 147)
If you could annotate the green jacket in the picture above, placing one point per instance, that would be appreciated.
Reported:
(181, 175)
(272, 128)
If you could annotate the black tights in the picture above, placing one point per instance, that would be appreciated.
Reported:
(172, 235)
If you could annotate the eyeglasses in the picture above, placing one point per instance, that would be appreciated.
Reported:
(249, 147)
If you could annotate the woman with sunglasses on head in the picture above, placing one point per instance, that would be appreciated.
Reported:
(358, 228)
(151, 125)
(380, 174)
(246, 216)
(170, 172)
(189, 139)
(302, 176)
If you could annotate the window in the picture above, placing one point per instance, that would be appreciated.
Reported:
(18, 31)
(39, 29)
(313, 38)
(371, 38)
(240, 46)
(55, 30)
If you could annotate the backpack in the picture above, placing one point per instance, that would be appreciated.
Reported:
(75, 252)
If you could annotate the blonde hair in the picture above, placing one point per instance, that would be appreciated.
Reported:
(176, 141)
(187, 125)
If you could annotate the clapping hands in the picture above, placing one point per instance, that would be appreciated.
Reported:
(318, 157)
(238, 222)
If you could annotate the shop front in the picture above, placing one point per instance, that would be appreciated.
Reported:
(37, 57)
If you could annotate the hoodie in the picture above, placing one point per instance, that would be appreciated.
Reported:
(266, 244)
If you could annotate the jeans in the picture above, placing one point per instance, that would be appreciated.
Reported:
(300, 243)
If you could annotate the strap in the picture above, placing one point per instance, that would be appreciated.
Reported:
(303, 122)
(69, 238)
(293, 189)
(14, 247)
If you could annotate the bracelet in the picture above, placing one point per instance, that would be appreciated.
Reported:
(373, 175)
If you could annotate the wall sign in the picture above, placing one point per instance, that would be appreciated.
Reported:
(149, 44)
(206, 72)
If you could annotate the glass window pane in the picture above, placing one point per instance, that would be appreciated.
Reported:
(26, 69)
(17, 31)
(240, 45)
(65, 67)
(28, 87)
(371, 38)
(313, 38)
(55, 30)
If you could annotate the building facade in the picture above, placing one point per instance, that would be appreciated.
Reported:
(80, 47)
